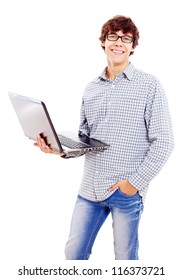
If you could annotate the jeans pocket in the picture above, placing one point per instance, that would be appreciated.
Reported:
(128, 203)
(127, 195)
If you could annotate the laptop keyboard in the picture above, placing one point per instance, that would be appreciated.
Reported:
(71, 143)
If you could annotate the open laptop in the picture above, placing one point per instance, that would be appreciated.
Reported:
(34, 119)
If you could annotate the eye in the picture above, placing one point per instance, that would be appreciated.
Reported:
(112, 37)
(127, 39)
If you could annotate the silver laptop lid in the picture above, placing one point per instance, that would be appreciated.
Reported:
(34, 119)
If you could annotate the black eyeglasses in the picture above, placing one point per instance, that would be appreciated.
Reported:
(125, 38)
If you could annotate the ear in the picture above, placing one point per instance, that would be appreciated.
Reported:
(103, 44)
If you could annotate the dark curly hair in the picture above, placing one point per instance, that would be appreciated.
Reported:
(120, 23)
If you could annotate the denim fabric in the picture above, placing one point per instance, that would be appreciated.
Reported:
(88, 217)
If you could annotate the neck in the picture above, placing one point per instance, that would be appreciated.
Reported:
(114, 70)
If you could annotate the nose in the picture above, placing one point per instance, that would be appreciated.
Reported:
(119, 42)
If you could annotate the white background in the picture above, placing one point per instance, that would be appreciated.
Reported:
(50, 50)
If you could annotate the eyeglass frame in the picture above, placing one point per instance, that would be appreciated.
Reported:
(121, 37)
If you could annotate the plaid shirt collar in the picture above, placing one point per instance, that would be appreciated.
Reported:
(128, 73)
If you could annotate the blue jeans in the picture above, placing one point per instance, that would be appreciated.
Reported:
(88, 217)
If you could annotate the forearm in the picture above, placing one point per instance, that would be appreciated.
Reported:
(154, 160)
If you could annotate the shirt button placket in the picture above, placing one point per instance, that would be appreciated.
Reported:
(96, 173)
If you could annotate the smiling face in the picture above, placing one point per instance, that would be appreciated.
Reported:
(118, 52)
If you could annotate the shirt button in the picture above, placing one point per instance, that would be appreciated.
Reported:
(112, 86)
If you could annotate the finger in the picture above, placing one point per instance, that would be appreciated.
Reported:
(38, 142)
(112, 188)
(42, 142)
(42, 145)
(38, 139)
(46, 149)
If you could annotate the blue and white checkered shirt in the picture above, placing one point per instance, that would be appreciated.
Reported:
(131, 114)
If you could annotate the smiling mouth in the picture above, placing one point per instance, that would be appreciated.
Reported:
(118, 52)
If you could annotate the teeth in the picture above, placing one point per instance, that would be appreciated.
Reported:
(118, 52)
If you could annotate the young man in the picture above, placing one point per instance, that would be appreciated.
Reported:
(127, 109)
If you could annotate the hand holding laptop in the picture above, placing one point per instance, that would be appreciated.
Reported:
(37, 125)
(40, 142)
